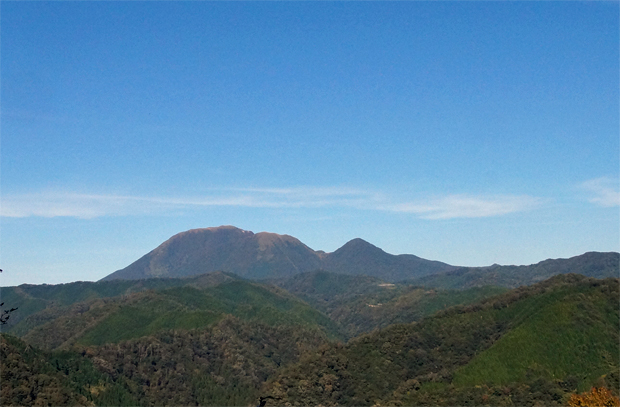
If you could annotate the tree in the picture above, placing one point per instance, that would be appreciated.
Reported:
(596, 397)
(5, 314)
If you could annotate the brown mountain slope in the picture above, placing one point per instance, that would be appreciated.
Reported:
(226, 248)
(268, 255)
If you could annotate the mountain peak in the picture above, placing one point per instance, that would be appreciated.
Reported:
(360, 257)
(223, 248)
(216, 229)
(357, 244)
(267, 255)
(267, 239)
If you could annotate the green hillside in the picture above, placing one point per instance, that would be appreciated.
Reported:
(58, 299)
(486, 353)
(360, 304)
(141, 314)
(29, 378)
(404, 304)
(573, 330)
(225, 365)
(231, 342)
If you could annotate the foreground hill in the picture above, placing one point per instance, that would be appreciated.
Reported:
(532, 345)
(591, 264)
(224, 364)
(230, 341)
(57, 299)
(268, 255)
(29, 378)
(57, 316)
(189, 306)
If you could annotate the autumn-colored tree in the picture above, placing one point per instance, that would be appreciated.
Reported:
(596, 397)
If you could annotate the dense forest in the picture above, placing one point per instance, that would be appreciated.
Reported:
(317, 338)
(531, 345)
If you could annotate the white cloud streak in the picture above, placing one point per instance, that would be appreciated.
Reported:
(603, 191)
(467, 206)
(88, 206)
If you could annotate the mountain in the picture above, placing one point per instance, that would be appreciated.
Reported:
(225, 248)
(534, 345)
(359, 257)
(268, 255)
(272, 256)
(591, 264)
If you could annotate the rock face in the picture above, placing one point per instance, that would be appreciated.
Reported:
(268, 255)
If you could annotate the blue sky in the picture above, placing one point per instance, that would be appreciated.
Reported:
(467, 132)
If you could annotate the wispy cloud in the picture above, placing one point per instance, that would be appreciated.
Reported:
(603, 191)
(87, 206)
(467, 206)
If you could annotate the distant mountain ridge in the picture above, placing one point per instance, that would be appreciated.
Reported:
(268, 255)
(260, 256)
(590, 264)
(359, 257)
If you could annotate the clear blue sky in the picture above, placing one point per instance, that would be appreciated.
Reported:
(467, 132)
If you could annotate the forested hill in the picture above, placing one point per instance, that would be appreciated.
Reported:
(532, 345)
(115, 319)
(220, 340)
(222, 365)
(58, 298)
(591, 264)
(361, 304)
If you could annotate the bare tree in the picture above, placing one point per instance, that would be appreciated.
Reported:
(6, 313)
